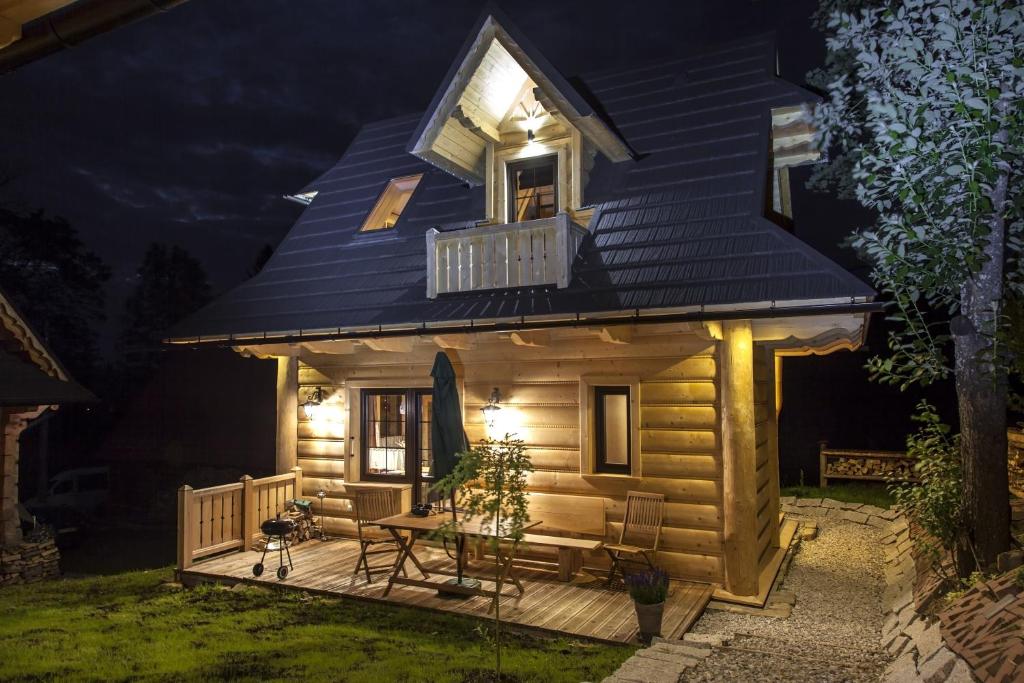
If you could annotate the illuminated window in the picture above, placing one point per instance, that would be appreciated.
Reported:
(532, 189)
(395, 434)
(612, 430)
(391, 203)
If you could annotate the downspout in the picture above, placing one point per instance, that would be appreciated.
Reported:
(73, 25)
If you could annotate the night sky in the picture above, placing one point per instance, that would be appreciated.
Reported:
(188, 127)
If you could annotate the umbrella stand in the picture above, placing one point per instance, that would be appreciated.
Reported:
(460, 544)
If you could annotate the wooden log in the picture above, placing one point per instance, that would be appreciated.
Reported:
(739, 475)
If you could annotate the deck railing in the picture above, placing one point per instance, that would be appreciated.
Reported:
(228, 517)
(526, 254)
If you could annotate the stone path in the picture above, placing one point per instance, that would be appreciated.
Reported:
(832, 632)
(662, 662)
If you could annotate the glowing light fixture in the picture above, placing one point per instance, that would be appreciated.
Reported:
(490, 410)
(313, 402)
(321, 494)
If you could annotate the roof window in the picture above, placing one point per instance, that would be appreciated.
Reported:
(391, 203)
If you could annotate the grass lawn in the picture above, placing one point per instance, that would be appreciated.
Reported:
(865, 493)
(138, 625)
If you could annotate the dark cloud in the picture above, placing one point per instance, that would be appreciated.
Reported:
(189, 127)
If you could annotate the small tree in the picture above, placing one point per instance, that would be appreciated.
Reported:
(491, 482)
(931, 116)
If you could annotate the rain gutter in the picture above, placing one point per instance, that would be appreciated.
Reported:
(527, 323)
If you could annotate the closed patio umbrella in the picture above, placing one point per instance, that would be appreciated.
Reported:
(447, 435)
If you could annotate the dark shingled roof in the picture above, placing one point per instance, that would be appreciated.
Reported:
(24, 384)
(681, 226)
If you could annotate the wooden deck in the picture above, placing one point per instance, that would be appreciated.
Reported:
(582, 610)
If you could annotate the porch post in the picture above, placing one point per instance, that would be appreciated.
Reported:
(287, 412)
(185, 540)
(248, 512)
(10, 429)
(739, 458)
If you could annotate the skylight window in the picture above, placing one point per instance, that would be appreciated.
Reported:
(391, 203)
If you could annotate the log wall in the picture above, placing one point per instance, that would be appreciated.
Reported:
(680, 451)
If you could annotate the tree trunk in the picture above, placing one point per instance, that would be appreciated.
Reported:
(981, 387)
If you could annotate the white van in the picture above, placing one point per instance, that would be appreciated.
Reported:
(83, 489)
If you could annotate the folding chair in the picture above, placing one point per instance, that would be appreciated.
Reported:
(641, 531)
(369, 507)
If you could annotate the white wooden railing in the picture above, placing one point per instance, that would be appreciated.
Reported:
(527, 254)
(228, 517)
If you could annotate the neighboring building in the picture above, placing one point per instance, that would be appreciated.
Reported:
(609, 253)
(33, 29)
(32, 381)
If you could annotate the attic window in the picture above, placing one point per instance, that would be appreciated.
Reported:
(532, 189)
(391, 203)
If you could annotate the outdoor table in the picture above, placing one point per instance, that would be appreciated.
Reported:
(417, 526)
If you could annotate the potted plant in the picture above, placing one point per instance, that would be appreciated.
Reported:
(648, 590)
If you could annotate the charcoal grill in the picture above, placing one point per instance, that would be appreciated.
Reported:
(276, 529)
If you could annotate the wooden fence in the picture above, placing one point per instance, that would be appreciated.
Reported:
(228, 517)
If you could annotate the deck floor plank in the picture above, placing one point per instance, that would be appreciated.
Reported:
(587, 611)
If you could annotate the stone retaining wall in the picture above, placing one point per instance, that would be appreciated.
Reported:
(914, 640)
(29, 561)
(827, 508)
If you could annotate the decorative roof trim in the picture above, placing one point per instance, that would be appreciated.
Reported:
(14, 323)
(493, 25)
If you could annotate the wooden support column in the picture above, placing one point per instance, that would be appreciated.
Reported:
(287, 412)
(772, 433)
(11, 426)
(739, 458)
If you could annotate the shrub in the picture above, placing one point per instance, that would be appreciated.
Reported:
(649, 587)
(935, 502)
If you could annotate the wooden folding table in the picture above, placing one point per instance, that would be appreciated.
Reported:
(418, 526)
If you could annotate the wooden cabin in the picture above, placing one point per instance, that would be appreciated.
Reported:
(605, 258)
(32, 381)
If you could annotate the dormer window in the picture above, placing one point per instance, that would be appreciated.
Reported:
(391, 203)
(532, 188)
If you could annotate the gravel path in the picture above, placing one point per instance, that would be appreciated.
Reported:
(834, 630)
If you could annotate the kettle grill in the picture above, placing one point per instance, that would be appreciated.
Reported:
(276, 529)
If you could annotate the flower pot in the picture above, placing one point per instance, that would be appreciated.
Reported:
(648, 617)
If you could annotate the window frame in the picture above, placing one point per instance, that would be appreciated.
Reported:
(588, 425)
(370, 226)
(411, 422)
(601, 464)
(523, 164)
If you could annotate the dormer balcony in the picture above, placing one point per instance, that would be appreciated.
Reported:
(527, 254)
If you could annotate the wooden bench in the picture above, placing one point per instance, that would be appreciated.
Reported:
(570, 551)
(565, 524)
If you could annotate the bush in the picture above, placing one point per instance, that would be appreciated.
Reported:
(934, 503)
(648, 588)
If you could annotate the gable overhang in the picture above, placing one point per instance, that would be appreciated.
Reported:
(33, 367)
(495, 38)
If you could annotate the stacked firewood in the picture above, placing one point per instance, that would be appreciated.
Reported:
(306, 525)
(34, 559)
(883, 468)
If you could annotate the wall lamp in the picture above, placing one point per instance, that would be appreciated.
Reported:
(490, 410)
(312, 405)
